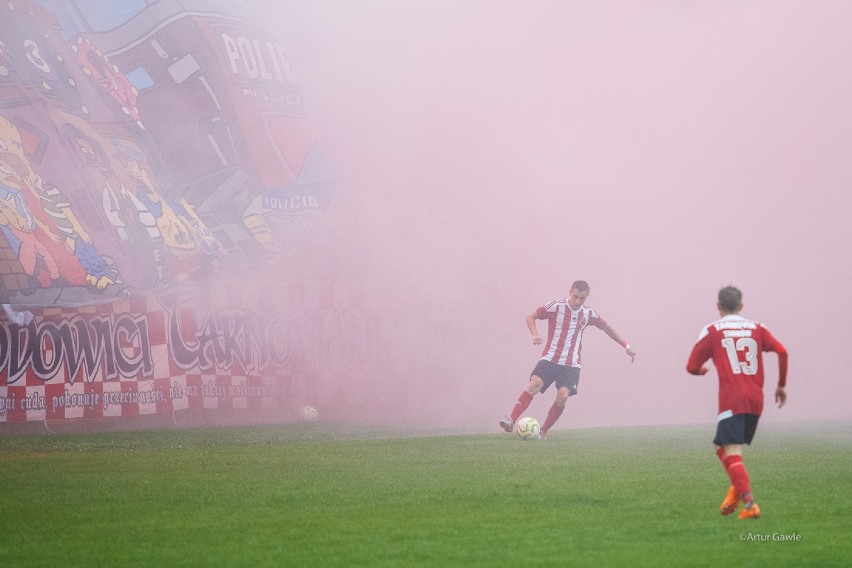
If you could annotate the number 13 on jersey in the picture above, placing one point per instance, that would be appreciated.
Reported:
(746, 345)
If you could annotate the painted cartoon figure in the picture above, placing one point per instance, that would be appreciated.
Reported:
(132, 222)
(98, 273)
(63, 266)
(182, 230)
(20, 227)
(205, 237)
(175, 234)
(53, 210)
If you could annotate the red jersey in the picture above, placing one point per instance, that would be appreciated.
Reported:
(736, 346)
(565, 331)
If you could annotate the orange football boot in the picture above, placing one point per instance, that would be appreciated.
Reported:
(752, 512)
(729, 505)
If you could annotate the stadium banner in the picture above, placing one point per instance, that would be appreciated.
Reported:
(142, 141)
(230, 342)
(143, 355)
(148, 147)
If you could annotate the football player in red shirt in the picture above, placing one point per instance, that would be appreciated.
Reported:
(560, 361)
(736, 345)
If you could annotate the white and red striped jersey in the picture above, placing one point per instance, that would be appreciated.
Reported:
(565, 331)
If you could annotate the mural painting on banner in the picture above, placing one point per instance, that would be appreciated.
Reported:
(145, 148)
(144, 141)
(219, 97)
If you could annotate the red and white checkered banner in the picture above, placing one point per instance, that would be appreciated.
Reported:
(238, 341)
(142, 356)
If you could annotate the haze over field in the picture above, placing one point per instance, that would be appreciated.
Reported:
(499, 150)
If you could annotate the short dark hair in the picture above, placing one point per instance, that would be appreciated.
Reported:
(730, 299)
(580, 285)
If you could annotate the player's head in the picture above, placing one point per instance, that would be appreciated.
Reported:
(578, 294)
(730, 300)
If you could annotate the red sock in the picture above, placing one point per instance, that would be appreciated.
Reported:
(523, 403)
(552, 416)
(739, 476)
(721, 453)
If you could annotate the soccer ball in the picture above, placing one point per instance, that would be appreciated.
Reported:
(309, 414)
(527, 428)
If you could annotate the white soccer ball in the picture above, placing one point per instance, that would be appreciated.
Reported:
(309, 414)
(527, 428)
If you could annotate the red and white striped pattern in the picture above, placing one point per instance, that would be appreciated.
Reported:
(565, 331)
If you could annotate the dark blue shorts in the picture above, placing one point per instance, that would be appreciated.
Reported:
(562, 375)
(736, 429)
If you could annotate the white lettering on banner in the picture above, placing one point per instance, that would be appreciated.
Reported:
(256, 59)
(212, 390)
(117, 344)
(35, 401)
(7, 403)
(291, 99)
(290, 341)
(224, 338)
(176, 391)
(106, 348)
(94, 400)
(133, 397)
(293, 202)
(75, 400)
(232, 347)
(243, 390)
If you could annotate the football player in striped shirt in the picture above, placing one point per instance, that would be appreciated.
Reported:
(736, 345)
(560, 361)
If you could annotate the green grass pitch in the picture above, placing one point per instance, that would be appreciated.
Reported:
(316, 495)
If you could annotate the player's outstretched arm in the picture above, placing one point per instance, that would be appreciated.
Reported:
(618, 339)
